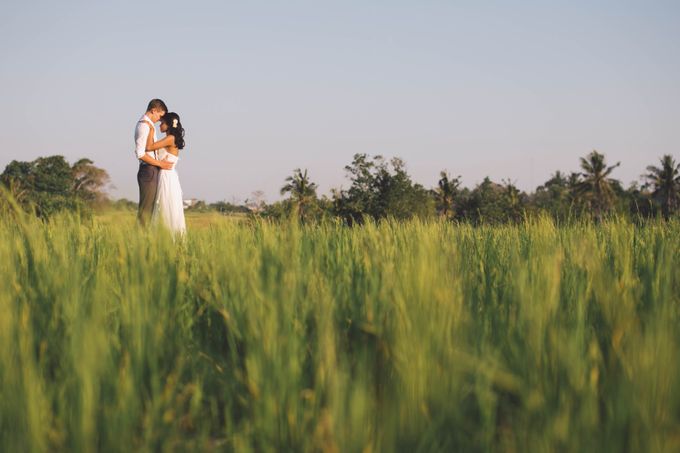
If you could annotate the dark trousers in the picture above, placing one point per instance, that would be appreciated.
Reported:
(147, 178)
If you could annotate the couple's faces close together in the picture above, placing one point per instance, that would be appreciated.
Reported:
(156, 115)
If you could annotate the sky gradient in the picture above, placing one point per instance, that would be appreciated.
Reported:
(510, 90)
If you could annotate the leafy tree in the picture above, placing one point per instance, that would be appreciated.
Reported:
(380, 189)
(302, 193)
(596, 189)
(665, 183)
(640, 203)
(89, 181)
(396, 195)
(358, 200)
(277, 210)
(513, 202)
(554, 196)
(52, 175)
(43, 186)
(485, 204)
(18, 179)
(49, 184)
(492, 203)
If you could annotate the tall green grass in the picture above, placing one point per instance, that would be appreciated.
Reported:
(390, 337)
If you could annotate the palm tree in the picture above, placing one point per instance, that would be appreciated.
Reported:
(665, 182)
(445, 194)
(302, 191)
(596, 187)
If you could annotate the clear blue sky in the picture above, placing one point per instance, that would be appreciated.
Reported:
(506, 89)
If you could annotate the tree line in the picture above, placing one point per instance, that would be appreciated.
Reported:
(380, 188)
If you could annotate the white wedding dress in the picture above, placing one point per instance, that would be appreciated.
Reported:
(169, 208)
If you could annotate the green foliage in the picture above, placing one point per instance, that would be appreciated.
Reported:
(491, 203)
(49, 184)
(555, 196)
(595, 188)
(447, 195)
(641, 203)
(381, 189)
(665, 184)
(416, 336)
(224, 207)
(302, 191)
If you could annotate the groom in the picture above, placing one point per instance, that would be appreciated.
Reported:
(147, 176)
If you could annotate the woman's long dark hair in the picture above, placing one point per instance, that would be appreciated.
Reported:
(171, 119)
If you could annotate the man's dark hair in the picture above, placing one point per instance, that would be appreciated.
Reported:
(156, 104)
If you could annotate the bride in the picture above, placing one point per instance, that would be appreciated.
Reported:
(169, 207)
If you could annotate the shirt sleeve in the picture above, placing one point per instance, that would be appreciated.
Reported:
(141, 134)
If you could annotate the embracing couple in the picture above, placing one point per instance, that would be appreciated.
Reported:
(160, 194)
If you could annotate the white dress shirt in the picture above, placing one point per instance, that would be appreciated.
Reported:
(141, 134)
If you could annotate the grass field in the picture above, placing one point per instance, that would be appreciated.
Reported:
(391, 337)
(194, 220)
